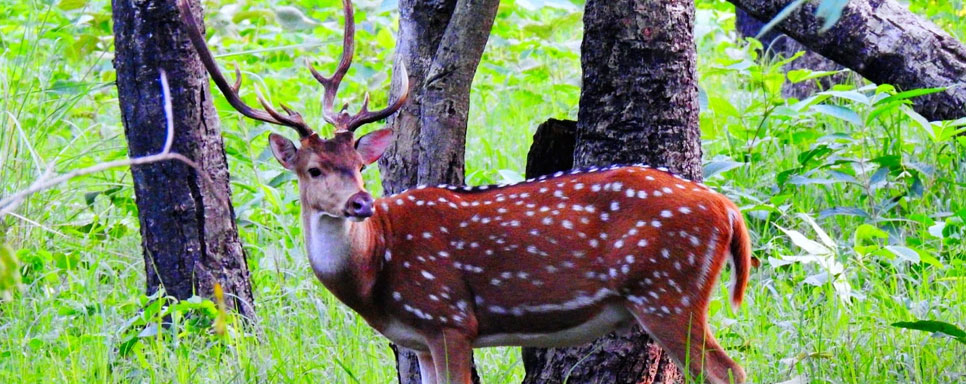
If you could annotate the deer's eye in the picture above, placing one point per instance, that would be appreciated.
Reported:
(315, 172)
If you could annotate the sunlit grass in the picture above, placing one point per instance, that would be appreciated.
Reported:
(83, 271)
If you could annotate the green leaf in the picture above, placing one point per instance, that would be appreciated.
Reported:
(808, 245)
(904, 253)
(70, 5)
(934, 326)
(717, 167)
(839, 112)
(830, 11)
(909, 95)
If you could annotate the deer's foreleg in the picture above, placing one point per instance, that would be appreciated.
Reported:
(451, 353)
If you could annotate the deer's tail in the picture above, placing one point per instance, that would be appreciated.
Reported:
(741, 258)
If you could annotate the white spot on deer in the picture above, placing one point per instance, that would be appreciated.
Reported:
(665, 253)
(593, 243)
(495, 282)
(388, 255)
(629, 259)
(532, 249)
(629, 192)
(433, 297)
(427, 275)
(578, 186)
(604, 216)
(618, 243)
(584, 220)
(427, 235)
(543, 189)
(399, 202)
(656, 224)
(547, 220)
(667, 190)
(640, 223)
(615, 206)
(568, 224)
(595, 187)
(397, 296)
(407, 264)
(666, 214)
(581, 254)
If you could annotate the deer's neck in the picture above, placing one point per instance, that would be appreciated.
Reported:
(340, 252)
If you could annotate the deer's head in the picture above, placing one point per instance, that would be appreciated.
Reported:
(328, 169)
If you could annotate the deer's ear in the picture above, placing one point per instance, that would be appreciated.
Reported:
(283, 149)
(372, 145)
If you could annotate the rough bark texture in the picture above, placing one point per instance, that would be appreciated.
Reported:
(639, 103)
(884, 42)
(553, 148)
(779, 45)
(188, 231)
(441, 43)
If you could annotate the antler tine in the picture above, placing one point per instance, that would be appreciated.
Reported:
(293, 120)
(331, 84)
(366, 117)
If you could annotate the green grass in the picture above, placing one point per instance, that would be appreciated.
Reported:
(897, 187)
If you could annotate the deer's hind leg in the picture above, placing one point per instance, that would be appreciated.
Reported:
(684, 335)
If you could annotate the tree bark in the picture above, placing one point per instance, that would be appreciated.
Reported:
(884, 42)
(441, 43)
(639, 103)
(779, 45)
(188, 231)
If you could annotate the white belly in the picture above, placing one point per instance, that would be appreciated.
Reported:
(611, 318)
(404, 335)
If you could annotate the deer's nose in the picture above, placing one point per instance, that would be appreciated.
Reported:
(359, 206)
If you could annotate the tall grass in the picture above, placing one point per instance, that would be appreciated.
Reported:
(877, 185)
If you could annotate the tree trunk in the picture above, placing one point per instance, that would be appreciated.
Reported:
(884, 42)
(188, 231)
(639, 103)
(441, 43)
(779, 45)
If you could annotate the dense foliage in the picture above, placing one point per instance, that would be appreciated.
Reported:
(855, 202)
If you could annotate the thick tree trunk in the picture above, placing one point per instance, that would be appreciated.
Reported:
(779, 45)
(188, 230)
(639, 103)
(441, 43)
(884, 42)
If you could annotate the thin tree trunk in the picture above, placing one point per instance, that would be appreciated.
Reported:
(639, 103)
(884, 42)
(780, 45)
(441, 43)
(188, 231)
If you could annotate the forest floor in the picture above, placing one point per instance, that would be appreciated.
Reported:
(856, 204)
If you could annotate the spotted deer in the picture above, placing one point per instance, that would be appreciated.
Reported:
(552, 261)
